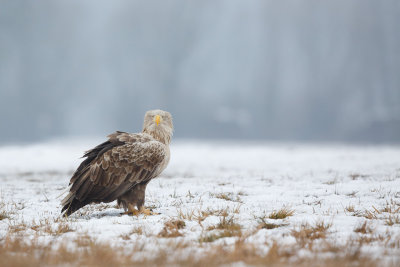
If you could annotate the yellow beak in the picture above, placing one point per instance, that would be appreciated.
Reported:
(157, 119)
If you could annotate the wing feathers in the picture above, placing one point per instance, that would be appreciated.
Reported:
(114, 167)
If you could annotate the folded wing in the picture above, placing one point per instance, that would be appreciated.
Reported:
(112, 168)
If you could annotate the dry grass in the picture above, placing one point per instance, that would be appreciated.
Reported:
(242, 193)
(200, 215)
(356, 176)
(187, 215)
(227, 227)
(352, 194)
(86, 251)
(369, 215)
(211, 237)
(278, 255)
(61, 228)
(4, 215)
(227, 196)
(390, 212)
(171, 228)
(216, 212)
(138, 230)
(84, 240)
(15, 252)
(307, 234)
(391, 207)
(281, 214)
(368, 235)
(332, 182)
(9, 208)
(364, 228)
(270, 225)
(264, 224)
(350, 208)
(226, 223)
(236, 209)
(194, 215)
(53, 227)
(392, 220)
(17, 228)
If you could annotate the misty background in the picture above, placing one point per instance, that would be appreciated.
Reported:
(271, 70)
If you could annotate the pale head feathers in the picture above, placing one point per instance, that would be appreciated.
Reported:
(158, 123)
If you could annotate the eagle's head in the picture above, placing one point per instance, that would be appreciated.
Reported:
(158, 123)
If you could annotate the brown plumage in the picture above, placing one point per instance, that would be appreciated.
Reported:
(121, 167)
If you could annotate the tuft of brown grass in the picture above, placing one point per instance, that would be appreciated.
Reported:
(307, 234)
(17, 228)
(369, 215)
(4, 215)
(332, 182)
(84, 240)
(135, 230)
(227, 227)
(186, 215)
(59, 229)
(390, 212)
(364, 228)
(200, 215)
(355, 176)
(171, 228)
(9, 208)
(391, 207)
(227, 196)
(194, 215)
(270, 226)
(392, 220)
(366, 239)
(352, 194)
(54, 227)
(236, 209)
(242, 193)
(350, 208)
(264, 224)
(281, 214)
(226, 223)
(216, 212)
(211, 237)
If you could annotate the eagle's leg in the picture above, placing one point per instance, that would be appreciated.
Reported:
(135, 197)
(140, 191)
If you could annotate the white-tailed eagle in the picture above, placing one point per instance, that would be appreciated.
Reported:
(120, 168)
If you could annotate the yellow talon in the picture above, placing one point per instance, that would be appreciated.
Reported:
(148, 212)
(132, 211)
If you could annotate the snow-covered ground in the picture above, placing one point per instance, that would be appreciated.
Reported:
(337, 186)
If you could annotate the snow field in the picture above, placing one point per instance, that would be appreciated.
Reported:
(302, 197)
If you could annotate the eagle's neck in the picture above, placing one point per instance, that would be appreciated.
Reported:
(160, 134)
